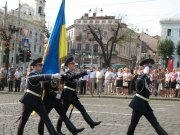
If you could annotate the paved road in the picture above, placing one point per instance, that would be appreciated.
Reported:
(114, 113)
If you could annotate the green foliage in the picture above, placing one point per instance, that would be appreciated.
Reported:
(178, 49)
(166, 48)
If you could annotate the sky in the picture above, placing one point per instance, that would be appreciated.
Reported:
(142, 15)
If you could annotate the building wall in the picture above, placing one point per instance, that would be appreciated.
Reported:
(77, 34)
(174, 26)
(31, 28)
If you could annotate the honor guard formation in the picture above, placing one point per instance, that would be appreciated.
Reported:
(42, 103)
(43, 93)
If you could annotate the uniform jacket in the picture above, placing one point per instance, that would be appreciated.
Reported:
(50, 93)
(70, 78)
(70, 81)
(139, 104)
(34, 84)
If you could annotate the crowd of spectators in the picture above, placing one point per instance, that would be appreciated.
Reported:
(120, 81)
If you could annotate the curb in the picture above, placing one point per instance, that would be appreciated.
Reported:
(105, 96)
(129, 97)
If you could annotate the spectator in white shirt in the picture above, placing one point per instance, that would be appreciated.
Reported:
(18, 75)
(99, 80)
(108, 78)
(92, 77)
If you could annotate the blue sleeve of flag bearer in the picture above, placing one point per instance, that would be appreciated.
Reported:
(40, 77)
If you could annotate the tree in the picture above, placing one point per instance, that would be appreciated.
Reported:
(118, 33)
(166, 49)
(178, 50)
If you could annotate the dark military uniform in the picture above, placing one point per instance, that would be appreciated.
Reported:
(140, 106)
(32, 101)
(69, 96)
(51, 100)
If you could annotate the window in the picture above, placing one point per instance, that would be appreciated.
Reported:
(104, 21)
(40, 10)
(97, 21)
(87, 47)
(114, 48)
(95, 48)
(41, 37)
(91, 21)
(30, 34)
(105, 34)
(34, 48)
(169, 32)
(78, 46)
(35, 40)
(40, 49)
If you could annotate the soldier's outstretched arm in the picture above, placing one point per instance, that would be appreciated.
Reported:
(43, 77)
(68, 76)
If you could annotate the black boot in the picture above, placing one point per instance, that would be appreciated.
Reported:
(59, 125)
(61, 133)
(161, 131)
(88, 119)
(72, 128)
(52, 130)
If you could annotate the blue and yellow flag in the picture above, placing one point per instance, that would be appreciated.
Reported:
(57, 47)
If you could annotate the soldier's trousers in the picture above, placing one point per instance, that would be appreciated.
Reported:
(70, 97)
(41, 111)
(49, 105)
(150, 117)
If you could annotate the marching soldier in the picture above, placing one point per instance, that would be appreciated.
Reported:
(69, 95)
(51, 100)
(140, 102)
(32, 98)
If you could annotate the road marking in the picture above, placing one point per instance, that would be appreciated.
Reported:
(2, 104)
(106, 106)
(162, 105)
(126, 114)
(116, 106)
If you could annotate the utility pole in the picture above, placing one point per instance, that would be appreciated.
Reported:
(5, 15)
(25, 57)
(16, 35)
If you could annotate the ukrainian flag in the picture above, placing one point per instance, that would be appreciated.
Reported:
(57, 47)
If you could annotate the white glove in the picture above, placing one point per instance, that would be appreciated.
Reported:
(56, 76)
(89, 71)
(58, 96)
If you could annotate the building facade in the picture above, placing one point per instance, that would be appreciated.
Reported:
(30, 25)
(170, 28)
(147, 48)
(86, 49)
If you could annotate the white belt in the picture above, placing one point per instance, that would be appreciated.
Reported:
(69, 88)
(146, 99)
(35, 94)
